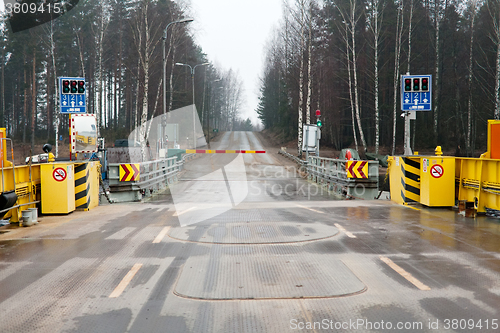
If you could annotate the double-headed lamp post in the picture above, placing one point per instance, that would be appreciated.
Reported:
(193, 69)
(164, 122)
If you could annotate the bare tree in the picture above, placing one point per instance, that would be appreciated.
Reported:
(375, 22)
(2, 80)
(397, 60)
(410, 27)
(473, 12)
(101, 27)
(351, 16)
(439, 10)
(351, 99)
(309, 56)
(493, 9)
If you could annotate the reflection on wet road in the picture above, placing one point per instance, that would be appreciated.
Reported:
(286, 257)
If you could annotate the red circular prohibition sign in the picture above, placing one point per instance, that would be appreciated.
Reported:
(59, 174)
(437, 171)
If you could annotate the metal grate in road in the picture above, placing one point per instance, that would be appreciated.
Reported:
(254, 233)
(271, 277)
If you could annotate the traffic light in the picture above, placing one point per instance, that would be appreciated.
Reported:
(318, 120)
(425, 84)
(74, 88)
(407, 84)
(65, 86)
(416, 84)
(81, 86)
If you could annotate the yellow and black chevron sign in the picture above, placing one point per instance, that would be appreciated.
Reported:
(130, 172)
(410, 180)
(357, 169)
(82, 186)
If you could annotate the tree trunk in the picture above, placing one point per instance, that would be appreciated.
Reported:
(54, 68)
(144, 115)
(409, 36)
(469, 103)
(301, 80)
(351, 99)
(33, 102)
(399, 33)
(2, 86)
(309, 79)
(376, 34)
(436, 90)
(25, 115)
(355, 73)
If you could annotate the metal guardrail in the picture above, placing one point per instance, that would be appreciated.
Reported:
(155, 176)
(292, 157)
(331, 173)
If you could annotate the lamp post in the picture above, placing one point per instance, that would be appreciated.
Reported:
(164, 122)
(193, 69)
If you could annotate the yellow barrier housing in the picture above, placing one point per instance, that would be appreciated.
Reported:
(404, 173)
(444, 180)
(478, 181)
(87, 185)
(58, 188)
(437, 181)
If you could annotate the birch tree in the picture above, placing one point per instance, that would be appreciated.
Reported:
(101, 27)
(351, 17)
(309, 56)
(2, 74)
(375, 14)
(351, 99)
(397, 60)
(147, 38)
(494, 9)
(410, 27)
(439, 10)
(301, 7)
(473, 12)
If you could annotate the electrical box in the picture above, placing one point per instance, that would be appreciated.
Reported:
(437, 181)
(310, 137)
(57, 188)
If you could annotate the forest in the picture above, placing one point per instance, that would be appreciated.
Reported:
(346, 58)
(116, 45)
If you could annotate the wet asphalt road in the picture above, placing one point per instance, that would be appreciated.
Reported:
(285, 258)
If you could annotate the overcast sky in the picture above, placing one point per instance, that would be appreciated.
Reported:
(233, 34)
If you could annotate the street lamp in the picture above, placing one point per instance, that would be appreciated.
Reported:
(193, 69)
(164, 123)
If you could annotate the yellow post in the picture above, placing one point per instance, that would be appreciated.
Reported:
(438, 151)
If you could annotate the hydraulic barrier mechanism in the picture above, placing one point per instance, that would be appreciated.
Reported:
(404, 179)
(86, 185)
(472, 184)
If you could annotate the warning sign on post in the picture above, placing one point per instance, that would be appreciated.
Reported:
(59, 174)
(437, 171)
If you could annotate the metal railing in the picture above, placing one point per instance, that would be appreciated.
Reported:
(331, 173)
(292, 157)
(155, 176)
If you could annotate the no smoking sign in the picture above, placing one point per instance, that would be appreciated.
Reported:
(59, 174)
(437, 171)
